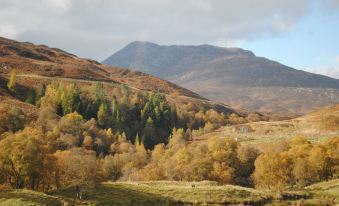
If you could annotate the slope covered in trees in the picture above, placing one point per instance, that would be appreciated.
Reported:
(62, 131)
(59, 152)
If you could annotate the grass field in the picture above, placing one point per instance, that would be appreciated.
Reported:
(27, 197)
(263, 134)
(329, 187)
(176, 193)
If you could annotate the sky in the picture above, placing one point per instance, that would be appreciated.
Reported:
(303, 34)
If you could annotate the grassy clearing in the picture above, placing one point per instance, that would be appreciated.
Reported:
(196, 193)
(172, 193)
(330, 187)
(263, 134)
(27, 197)
(177, 193)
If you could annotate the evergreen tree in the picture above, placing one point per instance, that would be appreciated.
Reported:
(149, 138)
(125, 94)
(114, 106)
(70, 99)
(100, 92)
(31, 98)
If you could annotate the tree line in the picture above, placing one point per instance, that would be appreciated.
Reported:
(82, 138)
(70, 151)
(148, 115)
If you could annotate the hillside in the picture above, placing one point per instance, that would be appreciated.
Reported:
(316, 126)
(232, 75)
(36, 65)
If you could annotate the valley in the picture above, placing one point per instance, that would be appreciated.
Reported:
(77, 132)
(169, 103)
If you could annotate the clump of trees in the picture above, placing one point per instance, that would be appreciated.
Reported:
(70, 151)
(81, 139)
(220, 159)
(301, 164)
(11, 119)
(149, 116)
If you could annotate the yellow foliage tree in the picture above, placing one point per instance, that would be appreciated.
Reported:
(12, 81)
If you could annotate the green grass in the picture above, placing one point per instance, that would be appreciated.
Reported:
(330, 187)
(171, 193)
(176, 193)
(27, 198)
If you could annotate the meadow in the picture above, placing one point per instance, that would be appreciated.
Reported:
(177, 193)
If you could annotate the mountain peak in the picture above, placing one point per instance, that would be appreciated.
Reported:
(231, 75)
(230, 50)
(142, 43)
(147, 56)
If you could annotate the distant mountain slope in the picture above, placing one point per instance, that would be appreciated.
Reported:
(38, 64)
(232, 75)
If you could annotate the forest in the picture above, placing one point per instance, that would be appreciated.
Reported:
(81, 139)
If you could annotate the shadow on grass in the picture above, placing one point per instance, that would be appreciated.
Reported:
(117, 195)
(130, 195)
(26, 197)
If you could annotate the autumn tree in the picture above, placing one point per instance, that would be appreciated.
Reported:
(272, 171)
(223, 152)
(12, 81)
(247, 156)
(78, 167)
(332, 146)
(103, 116)
(111, 167)
(25, 160)
(11, 119)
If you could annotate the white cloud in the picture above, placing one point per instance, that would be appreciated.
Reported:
(8, 30)
(61, 5)
(96, 28)
(337, 59)
(325, 70)
(333, 72)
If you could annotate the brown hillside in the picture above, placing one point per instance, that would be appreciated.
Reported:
(39, 64)
(316, 126)
(233, 76)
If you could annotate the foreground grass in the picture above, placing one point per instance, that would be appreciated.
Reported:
(330, 187)
(172, 193)
(177, 193)
(27, 197)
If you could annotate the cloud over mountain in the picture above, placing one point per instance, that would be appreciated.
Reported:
(85, 26)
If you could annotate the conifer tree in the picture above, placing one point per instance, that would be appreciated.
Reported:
(149, 138)
(31, 98)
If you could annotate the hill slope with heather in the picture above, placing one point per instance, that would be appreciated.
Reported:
(232, 75)
(38, 64)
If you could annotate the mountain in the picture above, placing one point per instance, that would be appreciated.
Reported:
(233, 76)
(37, 65)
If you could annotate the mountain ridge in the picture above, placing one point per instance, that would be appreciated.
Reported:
(215, 72)
(37, 65)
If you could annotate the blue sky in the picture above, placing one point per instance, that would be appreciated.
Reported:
(299, 33)
(312, 44)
